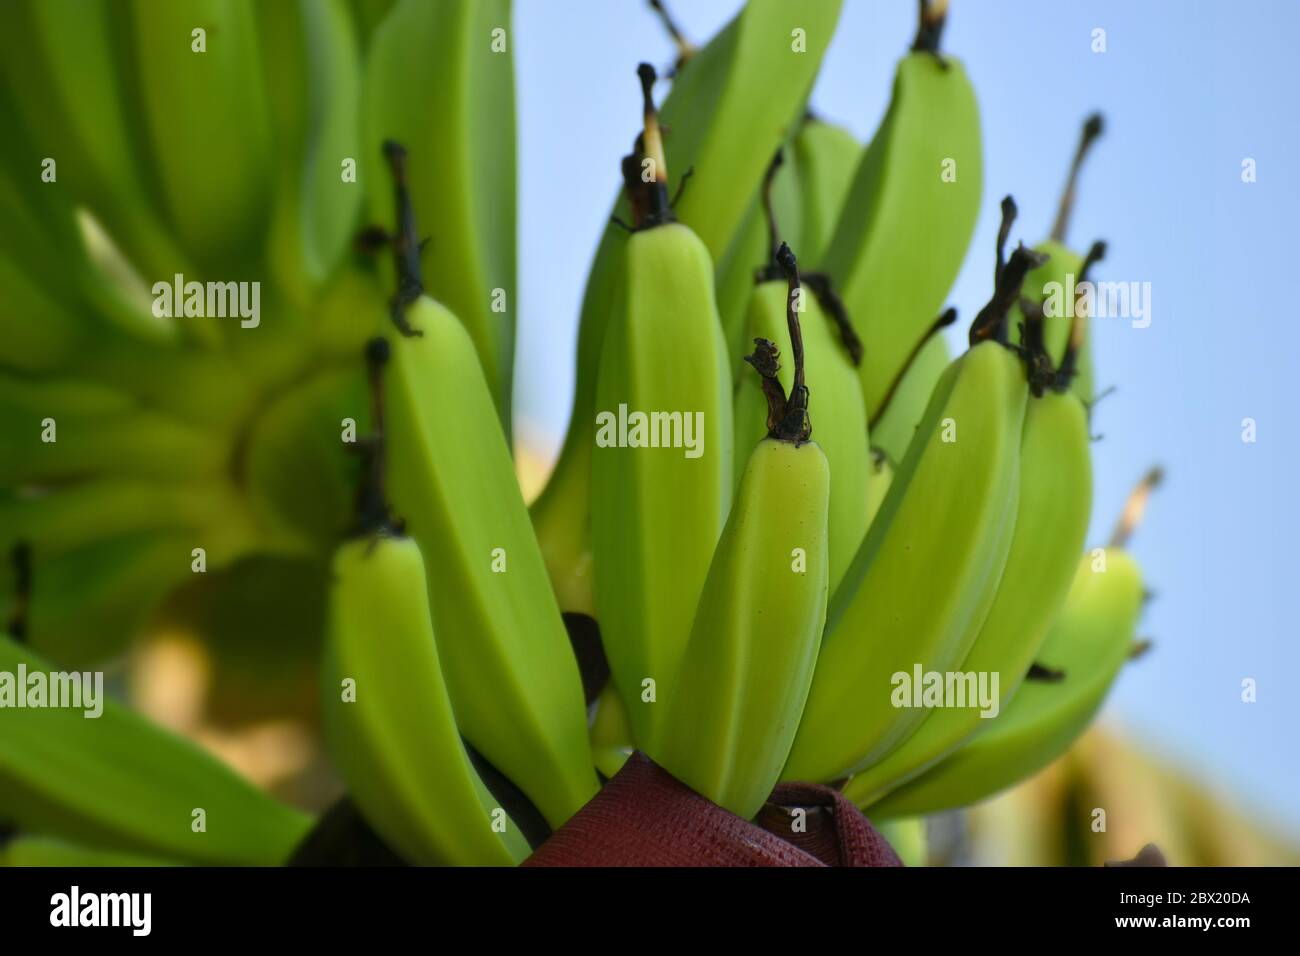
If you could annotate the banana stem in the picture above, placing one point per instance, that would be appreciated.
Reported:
(787, 419)
(21, 557)
(991, 322)
(660, 210)
(934, 14)
(1079, 323)
(405, 241)
(371, 504)
(1092, 128)
(685, 48)
(1134, 507)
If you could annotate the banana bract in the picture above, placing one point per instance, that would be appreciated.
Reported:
(730, 107)
(909, 216)
(926, 574)
(841, 422)
(119, 782)
(1089, 642)
(455, 111)
(1050, 523)
(396, 740)
(747, 667)
(657, 510)
(513, 679)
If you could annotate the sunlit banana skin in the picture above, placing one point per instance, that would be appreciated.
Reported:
(119, 782)
(904, 231)
(396, 742)
(514, 682)
(1050, 523)
(826, 157)
(731, 105)
(1089, 642)
(925, 577)
(748, 665)
(454, 111)
(657, 513)
(841, 420)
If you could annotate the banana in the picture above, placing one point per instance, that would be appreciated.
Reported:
(396, 741)
(895, 424)
(1089, 643)
(826, 157)
(1050, 523)
(119, 782)
(455, 112)
(842, 421)
(611, 737)
(904, 229)
(311, 59)
(509, 665)
(47, 851)
(731, 106)
(925, 577)
(753, 644)
(661, 487)
(1064, 271)
(882, 476)
(209, 124)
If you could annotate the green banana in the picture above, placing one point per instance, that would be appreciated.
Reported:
(731, 106)
(208, 121)
(119, 782)
(904, 229)
(1089, 642)
(925, 577)
(455, 112)
(1065, 270)
(396, 740)
(882, 476)
(1050, 523)
(611, 737)
(47, 851)
(311, 59)
(509, 665)
(826, 157)
(658, 501)
(746, 669)
(895, 424)
(842, 421)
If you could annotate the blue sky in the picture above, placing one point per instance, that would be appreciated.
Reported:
(1188, 90)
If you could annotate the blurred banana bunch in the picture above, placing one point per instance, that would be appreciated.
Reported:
(257, 330)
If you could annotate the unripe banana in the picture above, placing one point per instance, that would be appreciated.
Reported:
(611, 737)
(209, 123)
(731, 106)
(910, 214)
(841, 420)
(1088, 643)
(894, 426)
(660, 493)
(1050, 523)
(509, 665)
(826, 157)
(882, 476)
(454, 111)
(746, 670)
(396, 739)
(925, 577)
(119, 782)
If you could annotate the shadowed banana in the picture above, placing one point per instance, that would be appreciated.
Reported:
(826, 157)
(660, 492)
(746, 670)
(896, 422)
(910, 213)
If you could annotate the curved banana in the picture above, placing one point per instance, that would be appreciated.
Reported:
(730, 108)
(841, 420)
(209, 122)
(509, 665)
(827, 157)
(118, 782)
(1087, 644)
(910, 214)
(753, 645)
(454, 111)
(925, 577)
(661, 474)
(1050, 523)
(896, 422)
(396, 739)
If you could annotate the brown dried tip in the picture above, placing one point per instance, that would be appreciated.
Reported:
(1135, 506)
(21, 558)
(934, 13)
(1092, 129)
(685, 48)
(652, 148)
(991, 322)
